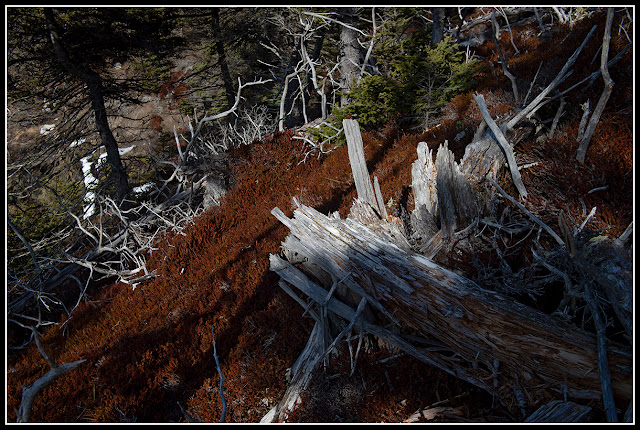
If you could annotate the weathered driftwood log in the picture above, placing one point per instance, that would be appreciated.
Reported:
(480, 336)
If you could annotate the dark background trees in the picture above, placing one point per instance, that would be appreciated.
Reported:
(73, 48)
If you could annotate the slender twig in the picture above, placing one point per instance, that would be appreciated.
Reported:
(603, 361)
(529, 214)
(220, 389)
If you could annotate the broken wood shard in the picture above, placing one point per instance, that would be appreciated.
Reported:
(456, 199)
(359, 166)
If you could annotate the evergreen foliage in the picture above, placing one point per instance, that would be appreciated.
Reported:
(415, 78)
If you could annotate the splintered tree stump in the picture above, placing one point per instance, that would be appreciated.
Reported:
(364, 270)
(480, 336)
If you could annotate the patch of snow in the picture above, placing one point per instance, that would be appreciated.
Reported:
(77, 143)
(46, 129)
(123, 151)
(143, 188)
(90, 181)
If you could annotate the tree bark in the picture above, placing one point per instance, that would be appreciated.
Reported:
(349, 53)
(437, 32)
(118, 172)
(222, 57)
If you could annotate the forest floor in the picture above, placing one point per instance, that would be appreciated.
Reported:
(149, 352)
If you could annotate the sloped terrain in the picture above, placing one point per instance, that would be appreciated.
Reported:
(149, 351)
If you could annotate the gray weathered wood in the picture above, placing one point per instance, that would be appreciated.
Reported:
(560, 411)
(358, 162)
(456, 199)
(423, 174)
(604, 97)
(381, 206)
(538, 353)
(539, 100)
(502, 141)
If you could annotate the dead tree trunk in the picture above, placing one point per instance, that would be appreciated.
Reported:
(363, 270)
(349, 52)
(464, 329)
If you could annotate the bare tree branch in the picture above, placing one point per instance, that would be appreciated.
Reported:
(556, 81)
(608, 87)
(30, 391)
(502, 141)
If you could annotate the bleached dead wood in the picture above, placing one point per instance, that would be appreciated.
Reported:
(502, 141)
(608, 87)
(529, 214)
(423, 173)
(468, 327)
(483, 337)
(195, 132)
(30, 391)
(561, 76)
(560, 411)
(359, 165)
(503, 59)
(456, 198)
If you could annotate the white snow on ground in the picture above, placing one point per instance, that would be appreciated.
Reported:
(90, 181)
(143, 188)
(46, 129)
(77, 143)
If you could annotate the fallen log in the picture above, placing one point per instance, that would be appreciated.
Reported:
(364, 271)
(465, 329)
